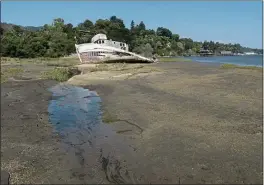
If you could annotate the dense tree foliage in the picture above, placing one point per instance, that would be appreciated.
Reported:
(58, 39)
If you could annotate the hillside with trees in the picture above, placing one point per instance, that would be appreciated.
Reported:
(58, 38)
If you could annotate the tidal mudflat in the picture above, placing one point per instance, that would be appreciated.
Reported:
(174, 122)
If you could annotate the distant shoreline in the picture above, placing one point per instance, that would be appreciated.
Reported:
(228, 60)
(241, 61)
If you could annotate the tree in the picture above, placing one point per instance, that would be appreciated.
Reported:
(164, 32)
(141, 26)
(58, 24)
(206, 45)
(132, 25)
(144, 49)
(180, 48)
(175, 37)
(188, 43)
(86, 25)
(117, 21)
(148, 51)
(101, 24)
(57, 39)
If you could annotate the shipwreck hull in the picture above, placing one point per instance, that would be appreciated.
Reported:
(102, 50)
(87, 58)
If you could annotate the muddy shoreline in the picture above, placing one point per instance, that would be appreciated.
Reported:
(190, 122)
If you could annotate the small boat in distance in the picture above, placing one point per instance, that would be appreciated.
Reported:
(102, 50)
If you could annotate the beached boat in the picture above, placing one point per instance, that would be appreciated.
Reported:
(102, 50)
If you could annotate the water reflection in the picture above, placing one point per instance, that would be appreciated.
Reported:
(94, 151)
(74, 107)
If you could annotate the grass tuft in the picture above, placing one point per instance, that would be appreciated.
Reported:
(61, 74)
(10, 72)
(58, 62)
(233, 66)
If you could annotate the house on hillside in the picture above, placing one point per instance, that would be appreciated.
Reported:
(205, 52)
(249, 53)
(226, 53)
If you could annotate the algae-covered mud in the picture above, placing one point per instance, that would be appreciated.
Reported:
(201, 123)
(181, 122)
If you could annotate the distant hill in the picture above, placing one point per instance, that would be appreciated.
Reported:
(33, 28)
(8, 26)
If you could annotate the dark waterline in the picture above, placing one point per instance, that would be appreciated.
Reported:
(246, 60)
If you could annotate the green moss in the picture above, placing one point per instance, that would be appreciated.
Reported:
(233, 66)
(108, 118)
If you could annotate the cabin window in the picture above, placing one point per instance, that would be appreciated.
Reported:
(120, 44)
(102, 41)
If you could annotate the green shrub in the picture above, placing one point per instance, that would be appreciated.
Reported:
(61, 74)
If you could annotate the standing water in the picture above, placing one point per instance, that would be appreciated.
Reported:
(74, 107)
(93, 150)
